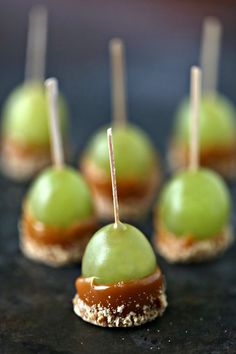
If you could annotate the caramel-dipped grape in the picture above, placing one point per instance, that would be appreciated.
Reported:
(60, 197)
(134, 153)
(116, 254)
(25, 115)
(195, 203)
(217, 122)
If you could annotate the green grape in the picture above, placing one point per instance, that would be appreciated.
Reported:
(60, 197)
(217, 122)
(25, 115)
(118, 254)
(134, 153)
(195, 203)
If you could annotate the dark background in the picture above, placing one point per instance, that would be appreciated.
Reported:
(162, 41)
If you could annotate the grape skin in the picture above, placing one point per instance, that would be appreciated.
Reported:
(118, 254)
(134, 153)
(25, 115)
(195, 203)
(60, 197)
(217, 122)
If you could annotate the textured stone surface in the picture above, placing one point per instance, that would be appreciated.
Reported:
(36, 314)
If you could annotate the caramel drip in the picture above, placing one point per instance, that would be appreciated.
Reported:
(132, 295)
(51, 235)
(12, 147)
(211, 155)
(127, 189)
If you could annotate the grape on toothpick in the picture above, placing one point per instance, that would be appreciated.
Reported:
(192, 217)
(217, 130)
(25, 134)
(58, 214)
(137, 165)
(121, 284)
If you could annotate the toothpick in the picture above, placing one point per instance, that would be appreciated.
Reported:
(36, 44)
(118, 81)
(113, 177)
(210, 52)
(56, 142)
(195, 109)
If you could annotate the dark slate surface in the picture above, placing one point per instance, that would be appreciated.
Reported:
(162, 42)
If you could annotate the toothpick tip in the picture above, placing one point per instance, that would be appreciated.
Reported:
(51, 84)
(213, 22)
(195, 68)
(109, 132)
(196, 72)
(116, 44)
(38, 9)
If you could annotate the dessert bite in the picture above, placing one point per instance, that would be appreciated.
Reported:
(137, 164)
(25, 145)
(58, 215)
(192, 217)
(217, 130)
(121, 284)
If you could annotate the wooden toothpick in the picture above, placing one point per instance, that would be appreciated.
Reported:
(56, 142)
(195, 96)
(210, 52)
(118, 81)
(113, 177)
(36, 44)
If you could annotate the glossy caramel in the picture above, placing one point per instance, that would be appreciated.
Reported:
(127, 188)
(12, 148)
(208, 156)
(51, 235)
(132, 295)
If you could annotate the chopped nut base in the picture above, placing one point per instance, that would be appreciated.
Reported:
(53, 255)
(107, 317)
(186, 250)
(23, 169)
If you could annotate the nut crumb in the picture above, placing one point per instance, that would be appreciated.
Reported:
(107, 317)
